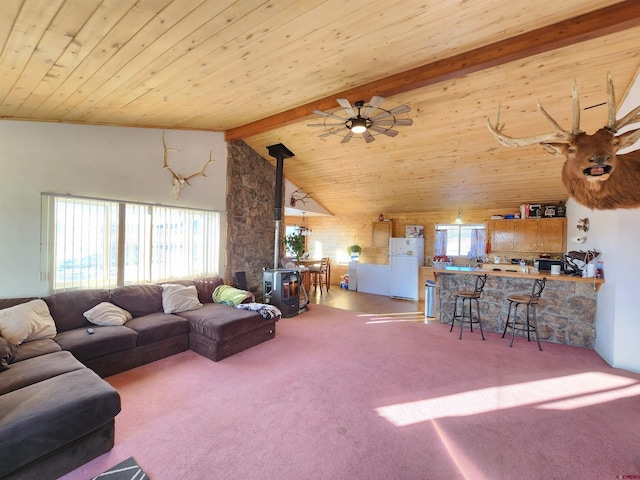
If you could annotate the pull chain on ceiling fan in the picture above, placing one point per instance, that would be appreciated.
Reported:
(369, 120)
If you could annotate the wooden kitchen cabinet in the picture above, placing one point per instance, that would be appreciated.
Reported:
(552, 235)
(531, 235)
(526, 235)
(381, 232)
(503, 237)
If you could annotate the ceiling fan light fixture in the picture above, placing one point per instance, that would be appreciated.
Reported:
(368, 120)
(359, 125)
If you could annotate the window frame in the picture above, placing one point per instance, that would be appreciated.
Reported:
(197, 229)
(460, 227)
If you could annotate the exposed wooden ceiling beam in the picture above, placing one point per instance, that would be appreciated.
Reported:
(601, 22)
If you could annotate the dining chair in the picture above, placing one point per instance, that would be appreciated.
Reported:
(320, 274)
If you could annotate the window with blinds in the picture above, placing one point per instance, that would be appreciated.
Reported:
(93, 243)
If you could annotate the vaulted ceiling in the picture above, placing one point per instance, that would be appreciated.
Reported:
(256, 69)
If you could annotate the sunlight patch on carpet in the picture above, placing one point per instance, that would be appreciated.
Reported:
(393, 317)
(568, 392)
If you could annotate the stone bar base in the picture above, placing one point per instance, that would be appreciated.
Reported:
(566, 312)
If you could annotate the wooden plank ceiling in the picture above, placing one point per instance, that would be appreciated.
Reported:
(255, 69)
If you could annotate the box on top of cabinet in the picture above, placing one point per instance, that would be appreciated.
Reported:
(535, 211)
(414, 231)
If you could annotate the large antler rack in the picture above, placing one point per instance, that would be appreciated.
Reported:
(630, 118)
(559, 136)
(563, 136)
(178, 181)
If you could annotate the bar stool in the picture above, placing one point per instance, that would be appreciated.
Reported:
(530, 301)
(467, 296)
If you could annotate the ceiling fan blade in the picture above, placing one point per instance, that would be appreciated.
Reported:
(368, 137)
(344, 103)
(373, 106)
(347, 137)
(327, 114)
(386, 131)
(325, 124)
(398, 121)
(333, 132)
(394, 111)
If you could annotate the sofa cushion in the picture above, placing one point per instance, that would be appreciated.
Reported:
(178, 298)
(158, 326)
(40, 418)
(36, 348)
(27, 321)
(107, 314)
(67, 308)
(34, 370)
(206, 287)
(221, 322)
(138, 299)
(103, 341)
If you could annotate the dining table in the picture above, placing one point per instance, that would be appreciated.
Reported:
(306, 275)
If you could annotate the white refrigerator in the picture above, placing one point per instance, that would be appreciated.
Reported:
(405, 259)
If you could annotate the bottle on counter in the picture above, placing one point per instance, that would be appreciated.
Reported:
(599, 270)
(523, 266)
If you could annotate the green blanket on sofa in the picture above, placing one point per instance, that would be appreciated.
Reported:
(231, 295)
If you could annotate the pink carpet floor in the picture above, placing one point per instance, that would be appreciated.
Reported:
(342, 395)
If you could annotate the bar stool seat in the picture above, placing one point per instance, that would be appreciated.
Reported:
(467, 315)
(529, 323)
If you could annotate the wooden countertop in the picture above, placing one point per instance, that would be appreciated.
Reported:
(517, 274)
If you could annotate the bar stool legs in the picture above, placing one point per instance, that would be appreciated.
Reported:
(466, 315)
(525, 325)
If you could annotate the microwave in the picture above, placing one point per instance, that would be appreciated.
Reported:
(545, 263)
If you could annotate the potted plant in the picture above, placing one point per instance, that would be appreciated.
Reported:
(295, 244)
(354, 250)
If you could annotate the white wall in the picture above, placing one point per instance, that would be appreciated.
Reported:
(615, 234)
(105, 162)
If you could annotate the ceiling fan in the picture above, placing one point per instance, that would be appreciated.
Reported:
(370, 120)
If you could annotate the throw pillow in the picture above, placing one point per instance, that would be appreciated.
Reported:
(27, 321)
(179, 298)
(7, 353)
(107, 314)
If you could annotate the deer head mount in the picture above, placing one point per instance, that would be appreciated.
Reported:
(177, 180)
(594, 175)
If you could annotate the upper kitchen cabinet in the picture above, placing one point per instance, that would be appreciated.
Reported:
(381, 232)
(534, 235)
(552, 235)
(378, 252)
(503, 238)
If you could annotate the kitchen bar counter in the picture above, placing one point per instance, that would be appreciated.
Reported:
(503, 270)
(566, 312)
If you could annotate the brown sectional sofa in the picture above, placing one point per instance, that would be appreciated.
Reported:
(56, 413)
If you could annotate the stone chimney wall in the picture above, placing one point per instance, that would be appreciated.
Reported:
(250, 224)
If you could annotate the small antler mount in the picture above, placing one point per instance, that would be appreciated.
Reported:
(298, 196)
(178, 181)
